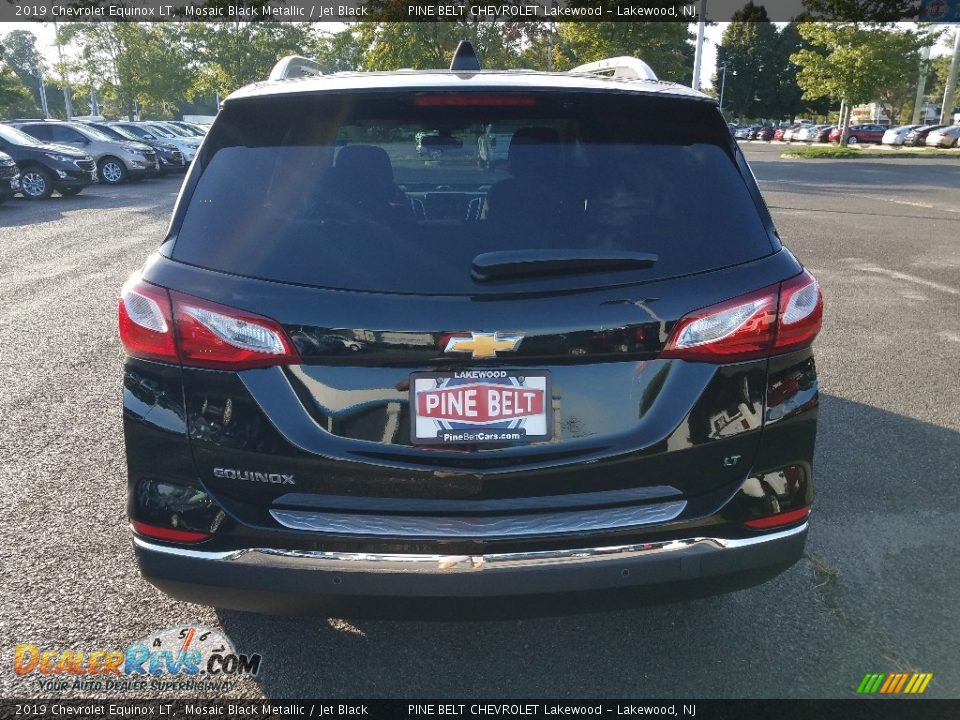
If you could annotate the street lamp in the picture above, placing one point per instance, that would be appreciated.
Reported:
(723, 83)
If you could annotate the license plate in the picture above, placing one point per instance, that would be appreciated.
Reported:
(480, 406)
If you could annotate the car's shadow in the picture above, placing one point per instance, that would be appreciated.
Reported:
(853, 605)
(138, 196)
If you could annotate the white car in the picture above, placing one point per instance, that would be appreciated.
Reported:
(895, 135)
(946, 137)
(187, 145)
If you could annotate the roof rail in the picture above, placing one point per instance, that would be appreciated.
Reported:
(295, 66)
(626, 67)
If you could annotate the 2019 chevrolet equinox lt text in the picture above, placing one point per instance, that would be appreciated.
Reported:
(361, 380)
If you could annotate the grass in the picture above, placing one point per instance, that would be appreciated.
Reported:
(844, 153)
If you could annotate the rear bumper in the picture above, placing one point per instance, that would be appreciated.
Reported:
(436, 586)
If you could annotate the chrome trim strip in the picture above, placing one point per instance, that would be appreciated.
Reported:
(318, 560)
(478, 526)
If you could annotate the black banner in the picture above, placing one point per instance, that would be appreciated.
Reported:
(941, 11)
(862, 709)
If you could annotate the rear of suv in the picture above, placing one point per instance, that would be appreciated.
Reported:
(117, 160)
(361, 380)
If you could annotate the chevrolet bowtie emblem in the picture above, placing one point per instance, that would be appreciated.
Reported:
(483, 345)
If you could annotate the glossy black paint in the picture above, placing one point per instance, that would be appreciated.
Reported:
(733, 442)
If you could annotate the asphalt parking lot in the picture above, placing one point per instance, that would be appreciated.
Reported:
(877, 591)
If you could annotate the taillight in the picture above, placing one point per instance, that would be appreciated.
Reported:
(146, 321)
(215, 336)
(801, 312)
(157, 324)
(775, 319)
(736, 329)
(779, 520)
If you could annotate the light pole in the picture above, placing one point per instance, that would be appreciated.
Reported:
(723, 85)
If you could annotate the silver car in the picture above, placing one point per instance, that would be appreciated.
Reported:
(946, 137)
(187, 145)
(117, 160)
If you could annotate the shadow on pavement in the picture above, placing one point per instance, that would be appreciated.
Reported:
(807, 633)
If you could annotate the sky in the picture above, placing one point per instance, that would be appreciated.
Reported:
(712, 36)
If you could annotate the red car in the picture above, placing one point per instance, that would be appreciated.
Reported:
(871, 133)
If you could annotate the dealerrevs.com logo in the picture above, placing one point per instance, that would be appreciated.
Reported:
(187, 657)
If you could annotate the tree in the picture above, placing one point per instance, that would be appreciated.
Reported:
(749, 50)
(231, 55)
(878, 11)
(664, 46)
(430, 45)
(855, 63)
(23, 58)
(339, 51)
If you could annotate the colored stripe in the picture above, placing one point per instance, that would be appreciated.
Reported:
(926, 682)
(863, 683)
(890, 679)
(911, 684)
(903, 680)
(876, 683)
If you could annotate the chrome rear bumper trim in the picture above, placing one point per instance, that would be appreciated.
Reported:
(375, 562)
(504, 527)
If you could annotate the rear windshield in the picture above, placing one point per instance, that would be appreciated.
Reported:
(400, 192)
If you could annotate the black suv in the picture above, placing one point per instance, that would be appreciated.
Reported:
(9, 177)
(45, 167)
(360, 380)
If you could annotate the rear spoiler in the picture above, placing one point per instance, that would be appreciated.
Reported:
(295, 66)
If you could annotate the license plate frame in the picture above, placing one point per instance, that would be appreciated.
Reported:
(525, 394)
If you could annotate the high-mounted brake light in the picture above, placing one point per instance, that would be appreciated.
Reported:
(157, 324)
(474, 100)
(775, 319)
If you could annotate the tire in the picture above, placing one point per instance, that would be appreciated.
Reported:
(852, 140)
(112, 171)
(36, 184)
(70, 191)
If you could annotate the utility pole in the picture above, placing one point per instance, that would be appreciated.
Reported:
(921, 85)
(698, 55)
(947, 109)
(723, 84)
(43, 96)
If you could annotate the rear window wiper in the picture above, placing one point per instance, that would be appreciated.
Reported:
(510, 264)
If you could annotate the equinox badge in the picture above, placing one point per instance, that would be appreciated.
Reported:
(483, 345)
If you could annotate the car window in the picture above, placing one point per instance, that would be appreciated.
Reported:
(161, 131)
(38, 130)
(17, 137)
(313, 190)
(61, 133)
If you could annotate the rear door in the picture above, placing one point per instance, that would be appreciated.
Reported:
(428, 367)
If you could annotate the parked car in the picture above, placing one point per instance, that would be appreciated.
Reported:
(169, 157)
(868, 133)
(743, 133)
(823, 134)
(780, 132)
(918, 136)
(191, 129)
(117, 160)
(802, 134)
(790, 133)
(896, 135)
(592, 387)
(9, 177)
(493, 144)
(187, 145)
(435, 144)
(945, 137)
(45, 167)
(765, 133)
